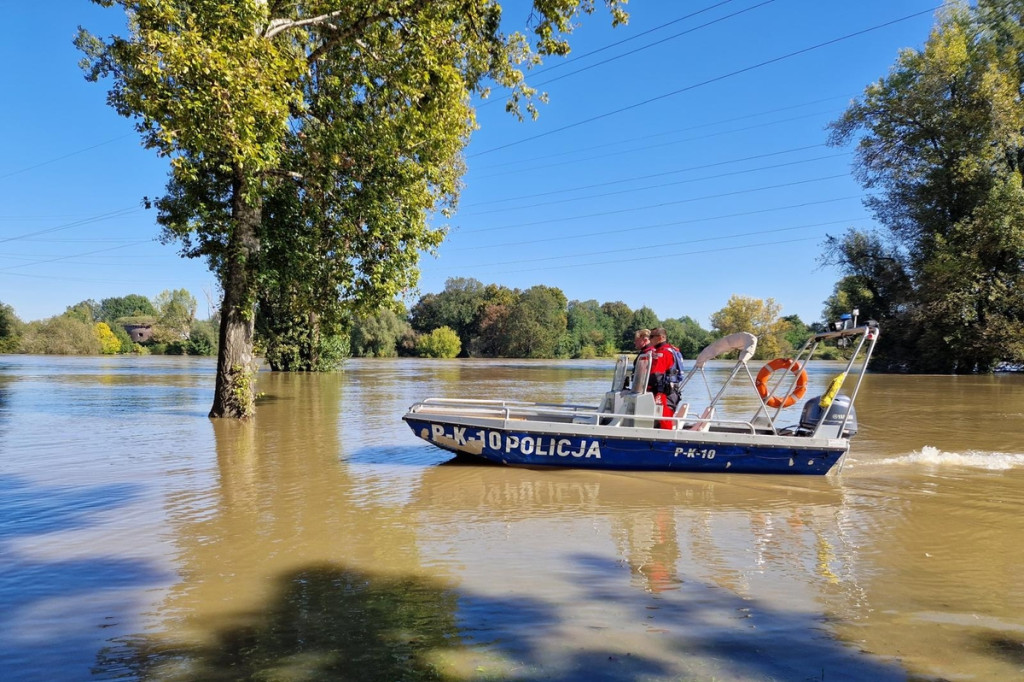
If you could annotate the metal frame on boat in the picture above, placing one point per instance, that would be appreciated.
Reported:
(622, 432)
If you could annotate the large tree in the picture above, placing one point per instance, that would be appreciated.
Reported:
(231, 92)
(132, 305)
(759, 317)
(459, 307)
(589, 331)
(687, 335)
(10, 329)
(176, 311)
(941, 147)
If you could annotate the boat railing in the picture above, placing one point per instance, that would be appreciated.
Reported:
(578, 414)
(510, 409)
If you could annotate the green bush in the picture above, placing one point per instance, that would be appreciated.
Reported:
(202, 340)
(829, 353)
(60, 335)
(127, 345)
(443, 342)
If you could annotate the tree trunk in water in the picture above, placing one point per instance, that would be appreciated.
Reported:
(235, 392)
(313, 361)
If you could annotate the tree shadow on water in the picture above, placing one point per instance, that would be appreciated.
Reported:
(1005, 648)
(66, 595)
(327, 622)
(747, 638)
(28, 509)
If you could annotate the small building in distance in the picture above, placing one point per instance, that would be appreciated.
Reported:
(140, 332)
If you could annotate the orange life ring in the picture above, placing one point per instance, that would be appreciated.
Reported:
(781, 363)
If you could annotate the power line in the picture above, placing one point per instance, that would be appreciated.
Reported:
(84, 221)
(701, 83)
(647, 247)
(661, 256)
(673, 223)
(676, 131)
(659, 186)
(636, 50)
(647, 177)
(659, 42)
(633, 150)
(660, 205)
(65, 156)
(76, 255)
(609, 46)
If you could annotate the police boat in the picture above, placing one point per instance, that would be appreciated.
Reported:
(626, 431)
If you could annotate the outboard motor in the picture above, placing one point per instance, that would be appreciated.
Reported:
(829, 426)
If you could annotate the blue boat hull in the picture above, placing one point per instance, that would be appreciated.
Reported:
(523, 447)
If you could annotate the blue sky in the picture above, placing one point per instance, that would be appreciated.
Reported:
(681, 160)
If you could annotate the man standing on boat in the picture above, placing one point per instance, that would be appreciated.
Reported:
(666, 373)
(642, 343)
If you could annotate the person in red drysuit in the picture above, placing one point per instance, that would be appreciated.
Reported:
(662, 363)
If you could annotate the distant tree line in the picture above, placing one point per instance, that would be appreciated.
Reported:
(91, 328)
(467, 319)
(472, 319)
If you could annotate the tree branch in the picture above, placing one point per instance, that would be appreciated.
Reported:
(357, 27)
(277, 26)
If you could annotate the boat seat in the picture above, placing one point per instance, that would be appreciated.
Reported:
(708, 414)
(680, 415)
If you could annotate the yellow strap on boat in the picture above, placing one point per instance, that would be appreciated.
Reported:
(833, 389)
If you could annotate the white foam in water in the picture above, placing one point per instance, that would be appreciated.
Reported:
(932, 456)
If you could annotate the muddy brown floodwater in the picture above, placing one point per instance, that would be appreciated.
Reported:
(140, 540)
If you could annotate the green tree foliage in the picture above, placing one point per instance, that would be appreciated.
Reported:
(854, 292)
(493, 330)
(132, 305)
(458, 307)
(941, 146)
(123, 338)
(621, 317)
(83, 312)
(535, 325)
(443, 342)
(60, 335)
(10, 329)
(759, 317)
(176, 312)
(343, 121)
(465, 306)
(798, 332)
(299, 343)
(378, 335)
(203, 339)
(688, 336)
(501, 322)
(109, 343)
(589, 331)
(643, 318)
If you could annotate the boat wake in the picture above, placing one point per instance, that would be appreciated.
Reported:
(974, 459)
